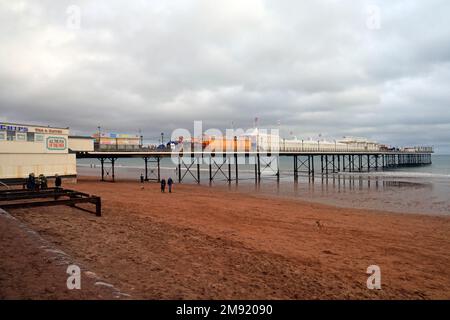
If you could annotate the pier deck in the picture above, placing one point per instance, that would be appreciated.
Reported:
(303, 161)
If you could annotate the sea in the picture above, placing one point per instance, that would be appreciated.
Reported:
(418, 190)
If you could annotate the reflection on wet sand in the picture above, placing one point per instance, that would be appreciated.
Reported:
(355, 191)
(373, 191)
(342, 183)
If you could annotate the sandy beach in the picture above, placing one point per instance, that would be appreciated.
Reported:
(210, 243)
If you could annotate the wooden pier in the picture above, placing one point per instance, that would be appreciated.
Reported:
(303, 162)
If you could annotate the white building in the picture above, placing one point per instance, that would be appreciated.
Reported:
(263, 140)
(360, 144)
(341, 145)
(26, 149)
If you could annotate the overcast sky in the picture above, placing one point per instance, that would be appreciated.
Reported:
(377, 69)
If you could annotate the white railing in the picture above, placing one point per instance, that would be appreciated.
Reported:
(352, 149)
(285, 147)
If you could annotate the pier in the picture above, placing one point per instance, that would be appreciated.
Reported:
(226, 164)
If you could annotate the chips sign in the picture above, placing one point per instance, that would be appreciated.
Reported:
(13, 128)
(56, 143)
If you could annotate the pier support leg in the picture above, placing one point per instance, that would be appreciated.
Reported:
(236, 167)
(113, 160)
(158, 159)
(210, 169)
(198, 170)
(278, 168)
(334, 164)
(321, 163)
(256, 170)
(259, 167)
(179, 169)
(102, 161)
(146, 168)
(309, 166)
(296, 168)
(229, 168)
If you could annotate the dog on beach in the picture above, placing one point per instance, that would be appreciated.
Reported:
(319, 224)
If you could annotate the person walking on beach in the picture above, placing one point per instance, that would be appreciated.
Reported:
(163, 185)
(170, 183)
(142, 181)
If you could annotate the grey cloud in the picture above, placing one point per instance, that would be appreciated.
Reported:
(157, 65)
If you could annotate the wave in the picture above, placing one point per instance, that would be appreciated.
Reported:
(398, 174)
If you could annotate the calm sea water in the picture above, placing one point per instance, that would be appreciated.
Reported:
(424, 189)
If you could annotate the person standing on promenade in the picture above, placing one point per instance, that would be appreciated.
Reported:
(58, 181)
(170, 183)
(163, 185)
(43, 182)
(31, 182)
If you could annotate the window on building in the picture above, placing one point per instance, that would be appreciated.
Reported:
(2, 135)
(10, 135)
(21, 137)
(30, 136)
(39, 138)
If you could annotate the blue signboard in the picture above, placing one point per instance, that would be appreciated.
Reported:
(13, 128)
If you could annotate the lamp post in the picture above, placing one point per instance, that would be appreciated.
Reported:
(99, 137)
(141, 139)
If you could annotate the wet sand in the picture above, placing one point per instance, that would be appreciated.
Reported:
(210, 243)
(374, 191)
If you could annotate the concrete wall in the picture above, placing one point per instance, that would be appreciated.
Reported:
(21, 165)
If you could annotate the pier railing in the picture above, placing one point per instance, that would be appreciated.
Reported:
(281, 149)
(348, 149)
